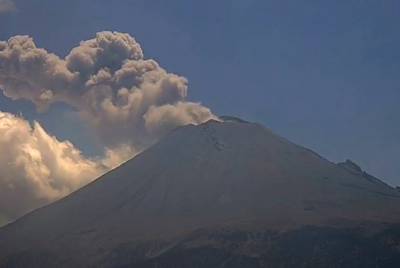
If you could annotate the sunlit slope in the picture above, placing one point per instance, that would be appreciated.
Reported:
(231, 174)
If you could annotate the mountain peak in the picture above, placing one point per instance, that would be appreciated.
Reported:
(232, 174)
(228, 118)
(351, 166)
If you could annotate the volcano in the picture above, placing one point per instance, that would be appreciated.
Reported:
(226, 193)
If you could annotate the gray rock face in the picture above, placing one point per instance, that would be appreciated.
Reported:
(351, 166)
(234, 176)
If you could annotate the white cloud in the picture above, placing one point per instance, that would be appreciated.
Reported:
(36, 168)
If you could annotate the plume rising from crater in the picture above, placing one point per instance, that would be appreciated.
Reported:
(126, 98)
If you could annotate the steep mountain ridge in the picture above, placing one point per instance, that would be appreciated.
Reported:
(234, 176)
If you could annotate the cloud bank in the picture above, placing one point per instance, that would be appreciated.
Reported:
(36, 168)
(129, 101)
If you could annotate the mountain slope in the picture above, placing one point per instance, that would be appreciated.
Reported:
(217, 178)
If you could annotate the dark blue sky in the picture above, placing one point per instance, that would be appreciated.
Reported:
(324, 74)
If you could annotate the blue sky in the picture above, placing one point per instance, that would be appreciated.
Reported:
(324, 74)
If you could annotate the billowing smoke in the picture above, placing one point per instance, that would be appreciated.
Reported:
(129, 101)
(7, 6)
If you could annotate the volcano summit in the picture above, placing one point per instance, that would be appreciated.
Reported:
(220, 194)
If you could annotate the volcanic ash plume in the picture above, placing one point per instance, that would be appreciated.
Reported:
(126, 98)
